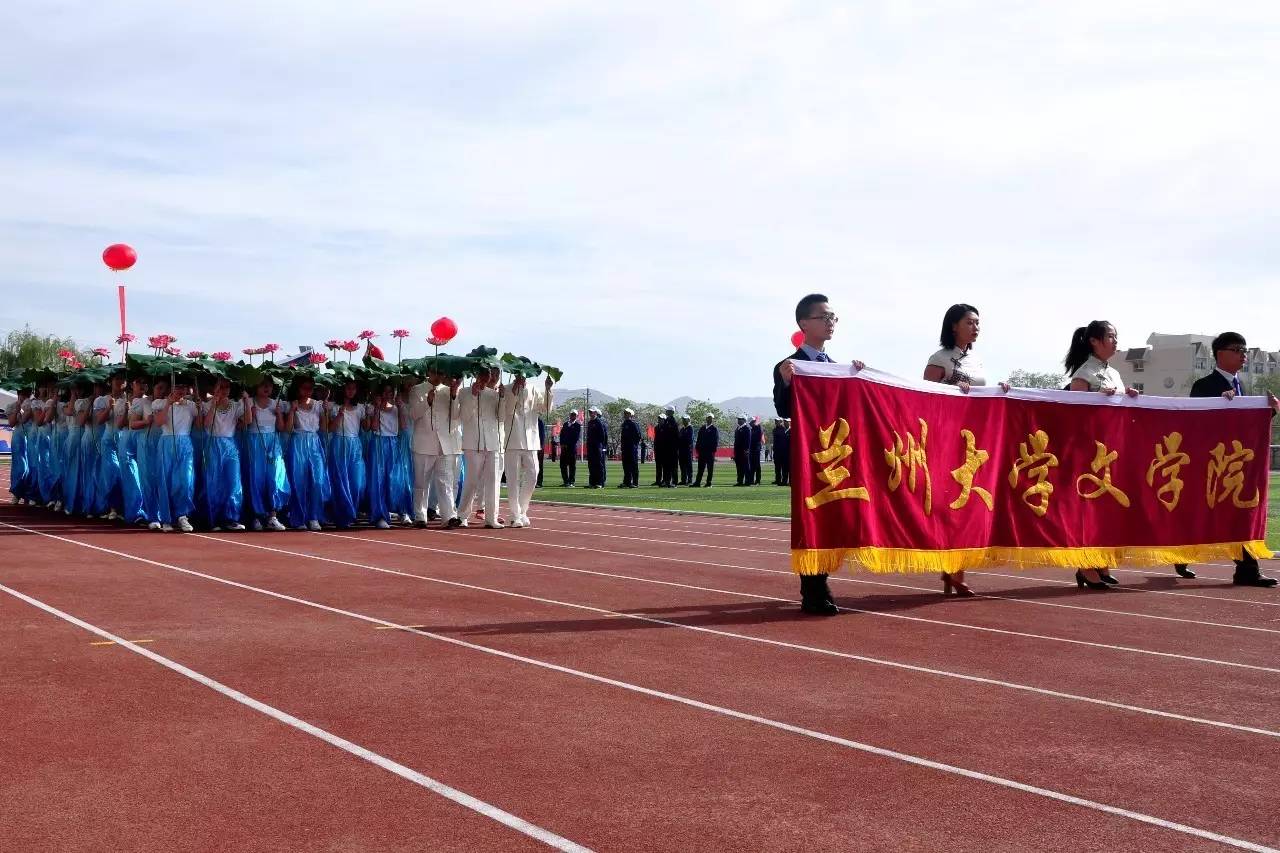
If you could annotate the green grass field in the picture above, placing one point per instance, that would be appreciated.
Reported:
(765, 499)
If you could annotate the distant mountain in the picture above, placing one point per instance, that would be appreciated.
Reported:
(560, 395)
(679, 403)
(749, 406)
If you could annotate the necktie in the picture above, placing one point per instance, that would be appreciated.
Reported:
(1235, 385)
(822, 356)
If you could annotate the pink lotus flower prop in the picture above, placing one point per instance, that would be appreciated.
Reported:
(349, 347)
(399, 335)
(75, 364)
(173, 350)
(222, 355)
(437, 342)
(367, 334)
(271, 348)
(317, 358)
(101, 352)
(66, 354)
(127, 338)
(195, 353)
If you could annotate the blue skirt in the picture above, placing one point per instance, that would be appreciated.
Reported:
(131, 492)
(176, 481)
(58, 461)
(347, 472)
(308, 479)
(267, 482)
(109, 491)
(223, 493)
(389, 489)
(19, 473)
(71, 481)
(46, 464)
(87, 502)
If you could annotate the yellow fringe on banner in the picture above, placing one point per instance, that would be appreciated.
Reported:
(825, 561)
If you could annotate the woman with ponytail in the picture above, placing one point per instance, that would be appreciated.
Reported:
(347, 466)
(267, 483)
(304, 419)
(1088, 369)
(223, 492)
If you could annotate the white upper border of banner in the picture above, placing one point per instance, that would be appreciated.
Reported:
(832, 370)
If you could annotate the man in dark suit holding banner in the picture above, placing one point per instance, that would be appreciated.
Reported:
(1230, 353)
(818, 324)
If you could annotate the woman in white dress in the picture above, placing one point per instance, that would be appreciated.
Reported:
(957, 364)
(1087, 364)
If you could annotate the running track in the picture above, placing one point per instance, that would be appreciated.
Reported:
(612, 680)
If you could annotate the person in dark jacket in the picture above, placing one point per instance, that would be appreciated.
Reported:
(630, 451)
(542, 447)
(686, 451)
(742, 447)
(708, 443)
(597, 448)
(753, 455)
(818, 324)
(1230, 353)
(781, 453)
(570, 435)
(667, 438)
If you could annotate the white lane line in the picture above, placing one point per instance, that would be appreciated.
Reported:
(1123, 588)
(622, 614)
(435, 786)
(778, 725)
(859, 580)
(882, 614)
(781, 530)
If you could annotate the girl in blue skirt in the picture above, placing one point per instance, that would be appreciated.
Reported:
(78, 413)
(131, 449)
(176, 477)
(304, 419)
(388, 468)
(109, 490)
(266, 482)
(223, 493)
(346, 456)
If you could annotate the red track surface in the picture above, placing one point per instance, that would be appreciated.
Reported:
(653, 688)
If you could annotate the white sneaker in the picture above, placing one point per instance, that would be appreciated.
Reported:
(464, 523)
(184, 525)
(167, 528)
(113, 516)
(14, 500)
(215, 529)
(382, 524)
(517, 523)
(155, 525)
(313, 526)
(57, 505)
(236, 526)
(394, 516)
(497, 526)
(257, 525)
(273, 523)
(105, 516)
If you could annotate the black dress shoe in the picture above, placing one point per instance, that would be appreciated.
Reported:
(432, 515)
(1253, 580)
(419, 524)
(1107, 577)
(454, 522)
(819, 608)
(1183, 571)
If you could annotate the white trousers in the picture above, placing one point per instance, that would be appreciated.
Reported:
(522, 476)
(434, 475)
(484, 473)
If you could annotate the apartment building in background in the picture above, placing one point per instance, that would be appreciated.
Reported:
(1168, 364)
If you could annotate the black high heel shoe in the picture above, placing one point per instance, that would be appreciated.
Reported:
(1107, 578)
(1082, 582)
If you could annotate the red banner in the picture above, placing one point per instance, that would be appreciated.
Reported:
(900, 476)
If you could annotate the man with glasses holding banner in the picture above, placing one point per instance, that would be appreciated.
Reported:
(1230, 352)
(818, 324)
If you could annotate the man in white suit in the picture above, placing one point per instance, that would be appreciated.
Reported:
(435, 410)
(482, 442)
(520, 410)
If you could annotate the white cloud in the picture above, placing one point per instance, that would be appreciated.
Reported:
(616, 189)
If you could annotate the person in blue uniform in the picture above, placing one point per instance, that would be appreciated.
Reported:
(741, 447)
(630, 450)
(817, 323)
(781, 453)
(708, 443)
(686, 451)
(1230, 354)
(753, 455)
(570, 435)
(597, 448)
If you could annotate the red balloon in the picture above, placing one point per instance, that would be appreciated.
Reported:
(119, 256)
(444, 328)
(797, 339)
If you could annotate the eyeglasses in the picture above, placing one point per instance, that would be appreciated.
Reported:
(828, 318)
(1239, 350)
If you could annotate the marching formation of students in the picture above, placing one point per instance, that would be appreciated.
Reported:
(957, 363)
(155, 452)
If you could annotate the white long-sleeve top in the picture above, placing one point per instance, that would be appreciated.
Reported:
(437, 426)
(520, 411)
(481, 420)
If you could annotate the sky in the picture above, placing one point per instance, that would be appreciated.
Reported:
(640, 193)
